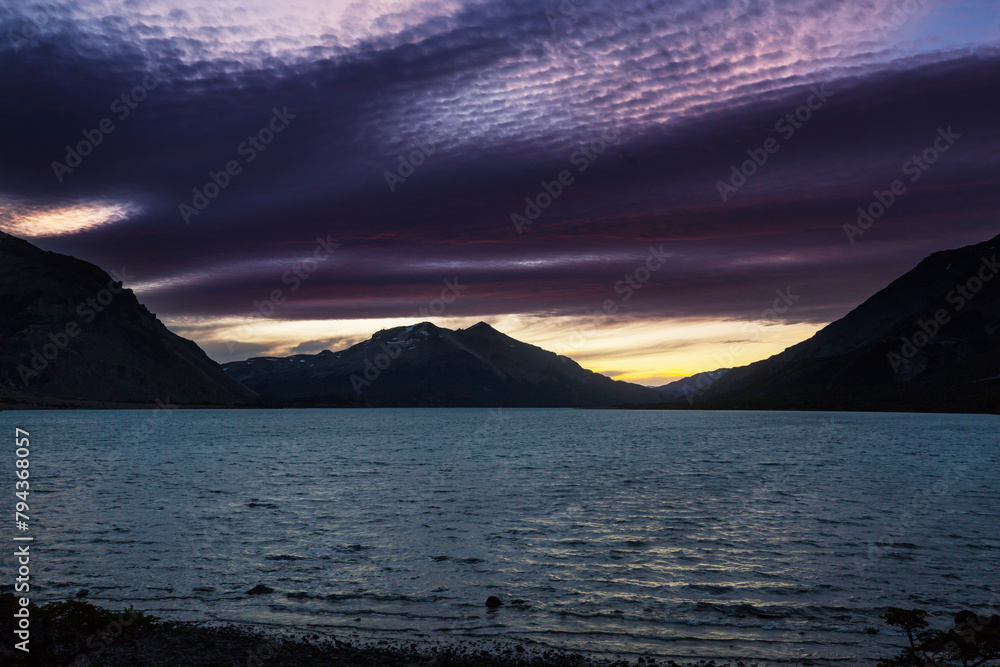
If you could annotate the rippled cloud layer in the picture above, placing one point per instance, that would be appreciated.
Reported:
(534, 150)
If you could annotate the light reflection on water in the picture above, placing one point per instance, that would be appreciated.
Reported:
(733, 535)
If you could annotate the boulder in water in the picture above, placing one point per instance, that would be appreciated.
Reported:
(260, 589)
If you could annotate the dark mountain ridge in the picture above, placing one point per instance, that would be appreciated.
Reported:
(427, 365)
(690, 387)
(929, 341)
(71, 335)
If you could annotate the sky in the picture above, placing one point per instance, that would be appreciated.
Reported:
(652, 188)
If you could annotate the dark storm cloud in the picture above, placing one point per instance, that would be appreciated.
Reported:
(504, 97)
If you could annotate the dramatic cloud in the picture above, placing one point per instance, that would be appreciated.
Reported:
(354, 156)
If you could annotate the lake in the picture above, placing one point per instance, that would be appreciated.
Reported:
(768, 536)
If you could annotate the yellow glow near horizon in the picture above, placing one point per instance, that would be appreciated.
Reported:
(25, 221)
(648, 352)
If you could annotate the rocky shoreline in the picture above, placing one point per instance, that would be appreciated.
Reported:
(78, 634)
(171, 644)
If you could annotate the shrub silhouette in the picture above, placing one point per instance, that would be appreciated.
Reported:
(62, 630)
(974, 641)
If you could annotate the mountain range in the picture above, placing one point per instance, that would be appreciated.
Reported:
(929, 341)
(426, 365)
(73, 336)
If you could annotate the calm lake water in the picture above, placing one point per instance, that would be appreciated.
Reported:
(762, 536)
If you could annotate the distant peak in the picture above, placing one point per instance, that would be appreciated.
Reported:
(407, 329)
(481, 326)
(422, 326)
